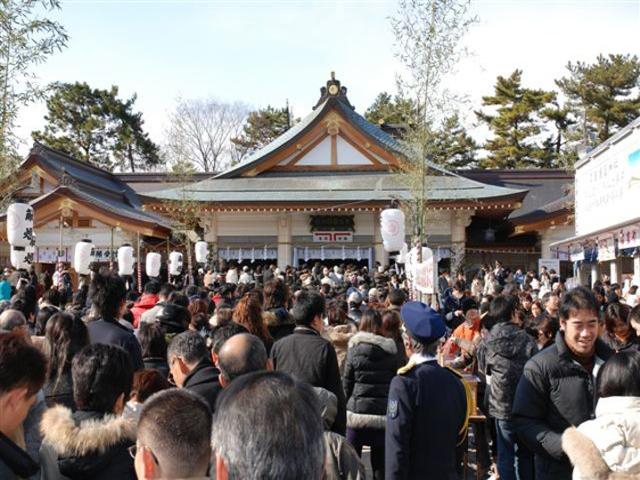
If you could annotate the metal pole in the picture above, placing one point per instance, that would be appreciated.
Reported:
(111, 251)
(60, 240)
(138, 262)
(168, 251)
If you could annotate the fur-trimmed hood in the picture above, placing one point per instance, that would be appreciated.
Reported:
(81, 434)
(387, 344)
(587, 459)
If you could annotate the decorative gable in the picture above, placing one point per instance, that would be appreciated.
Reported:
(332, 138)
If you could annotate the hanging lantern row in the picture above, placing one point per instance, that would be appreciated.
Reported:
(20, 235)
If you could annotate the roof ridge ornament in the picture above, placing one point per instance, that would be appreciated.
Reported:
(333, 89)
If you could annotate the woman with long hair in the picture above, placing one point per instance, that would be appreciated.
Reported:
(248, 313)
(392, 328)
(64, 336)
(340, 329)
(276, 315)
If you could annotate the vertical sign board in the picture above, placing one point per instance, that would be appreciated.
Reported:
(424, 280)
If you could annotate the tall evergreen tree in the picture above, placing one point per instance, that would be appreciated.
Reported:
(391, 110)
(453, 147)
(262, 127)
(515, 124)
(606, 92)
(96, 126)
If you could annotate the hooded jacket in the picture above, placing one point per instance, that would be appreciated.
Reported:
(615, 432)
(553, 393)
(508, 348)
(370, 367)
(86, 445)
(341, 460)
(587, 459)
(146, 302)
(340, 336)
(279, 322)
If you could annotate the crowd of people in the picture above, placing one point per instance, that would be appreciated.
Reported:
(263, 373)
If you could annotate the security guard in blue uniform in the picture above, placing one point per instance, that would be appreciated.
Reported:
(428, 409)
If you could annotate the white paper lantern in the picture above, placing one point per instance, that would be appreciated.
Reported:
(19, 224)
(82, 257)
(19, 258)
(125, 260)
(202, 251)
(175, 263)
(392, 229)
(153, 264)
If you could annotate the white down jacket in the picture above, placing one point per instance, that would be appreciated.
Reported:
(616, 434)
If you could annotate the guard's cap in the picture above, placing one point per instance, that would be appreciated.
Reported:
(422, 322)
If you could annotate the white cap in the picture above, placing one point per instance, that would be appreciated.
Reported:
(373, 292)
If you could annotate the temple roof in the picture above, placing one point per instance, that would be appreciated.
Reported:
(89, 184)
(332, 96)
(368, 187)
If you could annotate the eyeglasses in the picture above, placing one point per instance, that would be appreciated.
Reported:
(133, 451)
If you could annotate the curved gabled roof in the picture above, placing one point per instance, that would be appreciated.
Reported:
(90, 184)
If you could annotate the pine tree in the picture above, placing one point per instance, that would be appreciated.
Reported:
(605, 92)
(96, 126)
(453, 147)
(515, 124)
(262, 127)
(386, 109)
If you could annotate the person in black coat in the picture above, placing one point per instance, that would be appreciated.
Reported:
(557, 389)
(309, 357)
(93, 441)
(454, 302)
(108, 293)
(191, 367)
(427, 413)
(371, 364)
(507, 349)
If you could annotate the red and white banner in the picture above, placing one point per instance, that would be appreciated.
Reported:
(335, 237)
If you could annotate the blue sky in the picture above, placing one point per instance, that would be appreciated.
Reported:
(267, 52)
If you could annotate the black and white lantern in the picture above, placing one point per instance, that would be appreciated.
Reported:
(153, 263)
(83, 256)
(125, 260)
(19, 224)
(19, 258)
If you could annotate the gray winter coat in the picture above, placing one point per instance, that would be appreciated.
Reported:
(508, 348)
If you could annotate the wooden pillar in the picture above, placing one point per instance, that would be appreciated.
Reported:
(285, 247)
